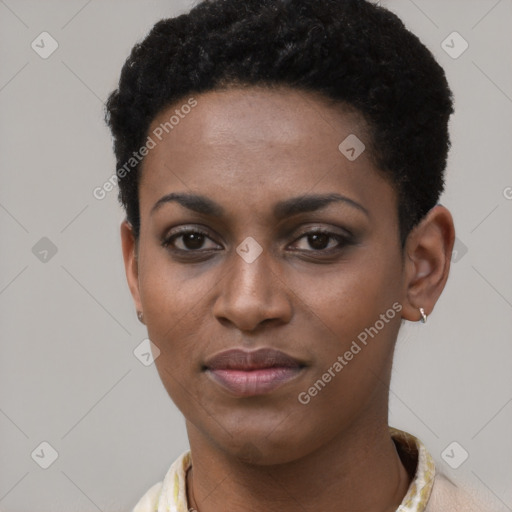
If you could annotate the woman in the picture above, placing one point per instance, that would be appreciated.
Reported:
(280, 163)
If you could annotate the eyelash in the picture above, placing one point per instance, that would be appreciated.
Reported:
(343, 240)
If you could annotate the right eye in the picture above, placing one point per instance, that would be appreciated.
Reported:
(192, 240)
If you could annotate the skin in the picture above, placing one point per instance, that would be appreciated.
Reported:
(247, 149)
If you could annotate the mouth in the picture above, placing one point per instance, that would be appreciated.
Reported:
(253, 373)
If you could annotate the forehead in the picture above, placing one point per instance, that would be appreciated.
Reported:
(260, 145)
(255, 115)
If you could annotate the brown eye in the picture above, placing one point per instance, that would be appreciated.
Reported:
(189, 240)
(320, 240)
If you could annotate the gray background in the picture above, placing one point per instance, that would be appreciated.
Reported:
(68, 374)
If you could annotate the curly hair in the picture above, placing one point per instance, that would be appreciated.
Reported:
(352, 52)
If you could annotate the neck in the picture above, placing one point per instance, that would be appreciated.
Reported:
(358, 470)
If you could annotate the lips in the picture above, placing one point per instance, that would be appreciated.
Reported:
(249, 373)
(237, 359)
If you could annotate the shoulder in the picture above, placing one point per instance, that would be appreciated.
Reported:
(447, 496)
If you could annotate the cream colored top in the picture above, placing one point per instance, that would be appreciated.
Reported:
(428, 492)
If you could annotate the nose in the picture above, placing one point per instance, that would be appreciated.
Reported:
(252, 293)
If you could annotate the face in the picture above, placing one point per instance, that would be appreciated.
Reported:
(274, 240)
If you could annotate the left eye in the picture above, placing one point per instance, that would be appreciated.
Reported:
(319, 240)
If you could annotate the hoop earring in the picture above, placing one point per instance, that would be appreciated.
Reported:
(423, 316)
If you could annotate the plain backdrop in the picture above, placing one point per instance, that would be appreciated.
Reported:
(69, 377)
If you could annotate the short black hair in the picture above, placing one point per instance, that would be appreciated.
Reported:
(351, 51)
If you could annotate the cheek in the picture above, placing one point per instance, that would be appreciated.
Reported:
(341, 302)
(175, 315)
(170, 293)
(355, 324)
(353, 361)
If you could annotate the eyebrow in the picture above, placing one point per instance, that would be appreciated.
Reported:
(282, 209)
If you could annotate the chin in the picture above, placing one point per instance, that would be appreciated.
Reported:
(259, 450)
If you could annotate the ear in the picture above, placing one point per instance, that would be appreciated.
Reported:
(428, 252)
(130, 256)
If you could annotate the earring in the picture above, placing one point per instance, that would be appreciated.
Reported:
(140, 316)
(423, 315)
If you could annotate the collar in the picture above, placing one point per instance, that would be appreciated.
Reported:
(416, 458)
